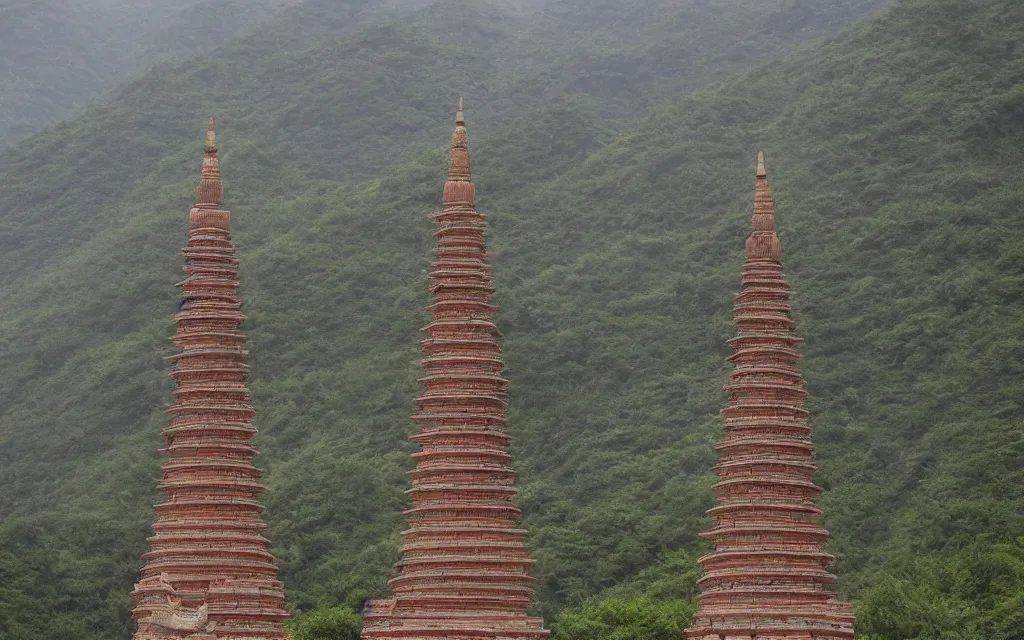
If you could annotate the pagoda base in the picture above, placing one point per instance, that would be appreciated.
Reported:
(723, 634)
(832, 623)
(380, 622)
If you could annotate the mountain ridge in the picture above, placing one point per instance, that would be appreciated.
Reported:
(615, 254)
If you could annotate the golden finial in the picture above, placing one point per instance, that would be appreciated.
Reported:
(460, 119)
(760, 165)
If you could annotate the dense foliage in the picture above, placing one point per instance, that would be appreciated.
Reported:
(975, 593)
(893, 154)
(59, 55)
(638, 619)
(327, 623)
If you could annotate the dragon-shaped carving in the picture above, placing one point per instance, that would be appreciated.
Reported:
(172, 619)
(176, 617)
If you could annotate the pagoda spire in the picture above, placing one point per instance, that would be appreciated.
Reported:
(464, 570)
(767, 577)
(210, 192)
(458, 164)
(208, 573)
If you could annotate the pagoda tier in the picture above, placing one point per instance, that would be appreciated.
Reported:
(464, 572)
(767, 577)
(208, 573)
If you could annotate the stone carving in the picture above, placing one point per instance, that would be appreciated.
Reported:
(767, 577)
(464, 572)
(175, 617)
(165, 614)
(208, 573)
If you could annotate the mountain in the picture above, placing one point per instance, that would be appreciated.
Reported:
(57, 56)
(617, 243)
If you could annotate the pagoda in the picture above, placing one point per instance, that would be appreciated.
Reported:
(208, 574)
(464, 570)
(767, 577)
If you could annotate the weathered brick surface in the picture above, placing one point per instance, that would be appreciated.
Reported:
(464, 572)
(767, 577)
(208, 573)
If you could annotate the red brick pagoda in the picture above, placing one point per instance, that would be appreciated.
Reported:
(464, 572)
(767, 577)
(208, 573)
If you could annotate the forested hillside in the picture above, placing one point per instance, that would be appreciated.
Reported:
(340, 109)
(892, 152)
(56, 56)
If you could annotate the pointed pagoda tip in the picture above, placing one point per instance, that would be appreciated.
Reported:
(760, 165)
(211, 137)
(210, 191)
(458, 165)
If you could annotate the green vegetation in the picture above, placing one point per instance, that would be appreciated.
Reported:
(59, 55)
(975, 593)
(569, 46)
(328, 623)
(893, 153)
(639, 619)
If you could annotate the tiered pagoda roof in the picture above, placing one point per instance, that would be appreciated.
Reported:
(464, 572)
(208, 573)
(767, 577)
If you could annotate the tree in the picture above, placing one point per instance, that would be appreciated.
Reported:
(327, 623)
(633, 619)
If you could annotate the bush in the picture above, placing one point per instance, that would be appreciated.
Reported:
(634, 619)
(328, 623)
